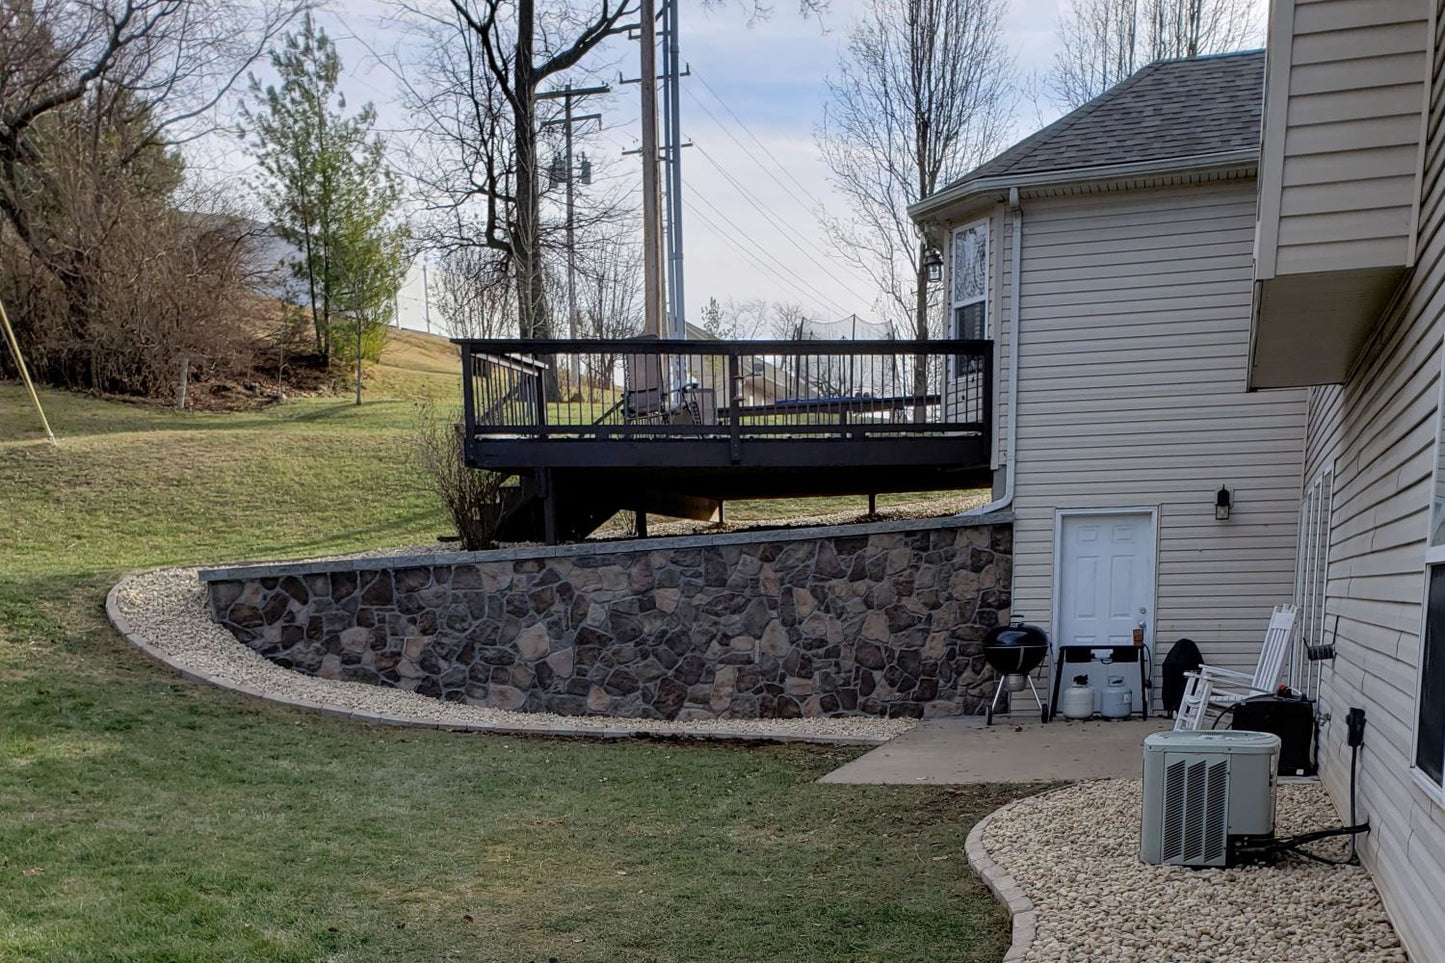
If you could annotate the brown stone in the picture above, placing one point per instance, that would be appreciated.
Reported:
(505, 697)
(775, 639)
(723, 687)
(533, 643)
(560, 662)
(666, 599)
(875, 627)
(355, 639)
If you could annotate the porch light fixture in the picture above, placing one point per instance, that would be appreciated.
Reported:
(933, 261)
(1223, 502)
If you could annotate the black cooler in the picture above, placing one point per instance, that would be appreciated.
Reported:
(1293, 720)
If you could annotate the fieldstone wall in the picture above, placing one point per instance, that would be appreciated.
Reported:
(882, 619)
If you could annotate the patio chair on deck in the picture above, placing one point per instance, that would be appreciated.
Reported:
(643, 391)
(1213, 687)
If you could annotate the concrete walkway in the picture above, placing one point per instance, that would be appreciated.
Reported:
(958, 751)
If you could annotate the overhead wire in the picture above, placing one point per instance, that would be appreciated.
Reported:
(790, 234)
(761, 146)
(821, 296)
(756, 262)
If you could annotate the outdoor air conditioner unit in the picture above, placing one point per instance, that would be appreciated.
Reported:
(1205, 793)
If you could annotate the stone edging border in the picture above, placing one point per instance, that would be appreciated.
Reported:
(621, 731)
(1003, 886)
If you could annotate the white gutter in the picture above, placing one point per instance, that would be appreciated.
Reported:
(1011, 429)
(1012, 183)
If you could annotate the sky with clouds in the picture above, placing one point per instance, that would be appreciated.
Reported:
(754, 179)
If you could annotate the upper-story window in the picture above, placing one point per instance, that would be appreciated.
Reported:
(1428, 757)
(968, 299)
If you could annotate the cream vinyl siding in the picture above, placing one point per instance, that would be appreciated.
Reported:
(1344, 90)
(1378, 431)
(1134, 337)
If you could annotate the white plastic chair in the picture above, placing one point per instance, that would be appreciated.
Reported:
(1212, 687)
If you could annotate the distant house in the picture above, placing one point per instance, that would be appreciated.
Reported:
(1349, 279)
(1108, 257)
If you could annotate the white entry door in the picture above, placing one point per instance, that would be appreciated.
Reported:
(1105, 576)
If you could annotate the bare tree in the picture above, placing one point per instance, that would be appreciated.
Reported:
(923, 94)
(94, 95)
(1102, 42)
(150, 70)
(479, 95)
(476, 294)
(610, 300)
(482, 128)
(1188, 28)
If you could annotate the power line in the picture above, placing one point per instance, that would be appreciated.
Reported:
(791, 235)
(757, 263)
(763, 147)
(823, 298)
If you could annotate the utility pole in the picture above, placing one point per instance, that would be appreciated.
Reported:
(672, 74)
(651, 198)
(425, 297)
(569, 95)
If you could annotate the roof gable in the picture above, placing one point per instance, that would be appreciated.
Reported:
(1171, 109)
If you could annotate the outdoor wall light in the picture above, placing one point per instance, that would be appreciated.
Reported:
(933, 261)
(1223, 502)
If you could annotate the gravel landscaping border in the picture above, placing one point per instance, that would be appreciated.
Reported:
(165, 614)
(1066, 865)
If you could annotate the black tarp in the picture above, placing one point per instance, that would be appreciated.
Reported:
(1183, 657)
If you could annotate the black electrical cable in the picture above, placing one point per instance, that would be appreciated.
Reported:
(1354, 769)
(1293, 844)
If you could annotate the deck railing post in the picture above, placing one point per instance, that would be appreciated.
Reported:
(469, 402)
(539, 379)
(987, 406)
(735, 405)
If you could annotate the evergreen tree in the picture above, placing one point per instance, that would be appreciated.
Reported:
(327, 187)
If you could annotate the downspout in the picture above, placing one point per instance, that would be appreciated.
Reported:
(1011, 429)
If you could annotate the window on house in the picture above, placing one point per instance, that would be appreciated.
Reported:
(968, 297)
(1429, 756)
(1313, 559)
(1430, 721)
(970, 281)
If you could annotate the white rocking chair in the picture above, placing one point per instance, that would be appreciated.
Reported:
(1212, 687)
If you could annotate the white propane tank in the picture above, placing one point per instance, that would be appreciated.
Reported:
(1077, 701)
(1116, 701)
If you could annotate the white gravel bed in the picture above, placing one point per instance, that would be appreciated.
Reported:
(168, 611)
(1075, 854)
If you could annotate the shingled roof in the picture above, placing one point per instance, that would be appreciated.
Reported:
(1172, 109)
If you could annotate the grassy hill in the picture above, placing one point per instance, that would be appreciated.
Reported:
(151, 819)
(309, 476)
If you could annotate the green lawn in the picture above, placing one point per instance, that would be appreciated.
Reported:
(146, 818)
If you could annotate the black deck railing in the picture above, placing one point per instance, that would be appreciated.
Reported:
(524, 397)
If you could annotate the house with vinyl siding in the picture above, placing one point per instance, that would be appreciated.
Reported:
(1349, 295)
(1109, 259)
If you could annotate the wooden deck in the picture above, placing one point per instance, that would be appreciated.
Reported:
(675, 427)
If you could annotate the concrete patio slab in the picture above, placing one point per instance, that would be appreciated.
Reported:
(960, 751)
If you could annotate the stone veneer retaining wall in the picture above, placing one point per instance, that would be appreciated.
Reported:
(883, 618)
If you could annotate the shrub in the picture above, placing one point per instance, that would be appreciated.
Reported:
(471, 496)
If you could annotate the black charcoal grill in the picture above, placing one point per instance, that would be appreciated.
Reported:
(1014, 651)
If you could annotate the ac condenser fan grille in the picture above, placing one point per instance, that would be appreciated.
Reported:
(1196, 812)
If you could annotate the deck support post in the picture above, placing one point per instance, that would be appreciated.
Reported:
(549, 506)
